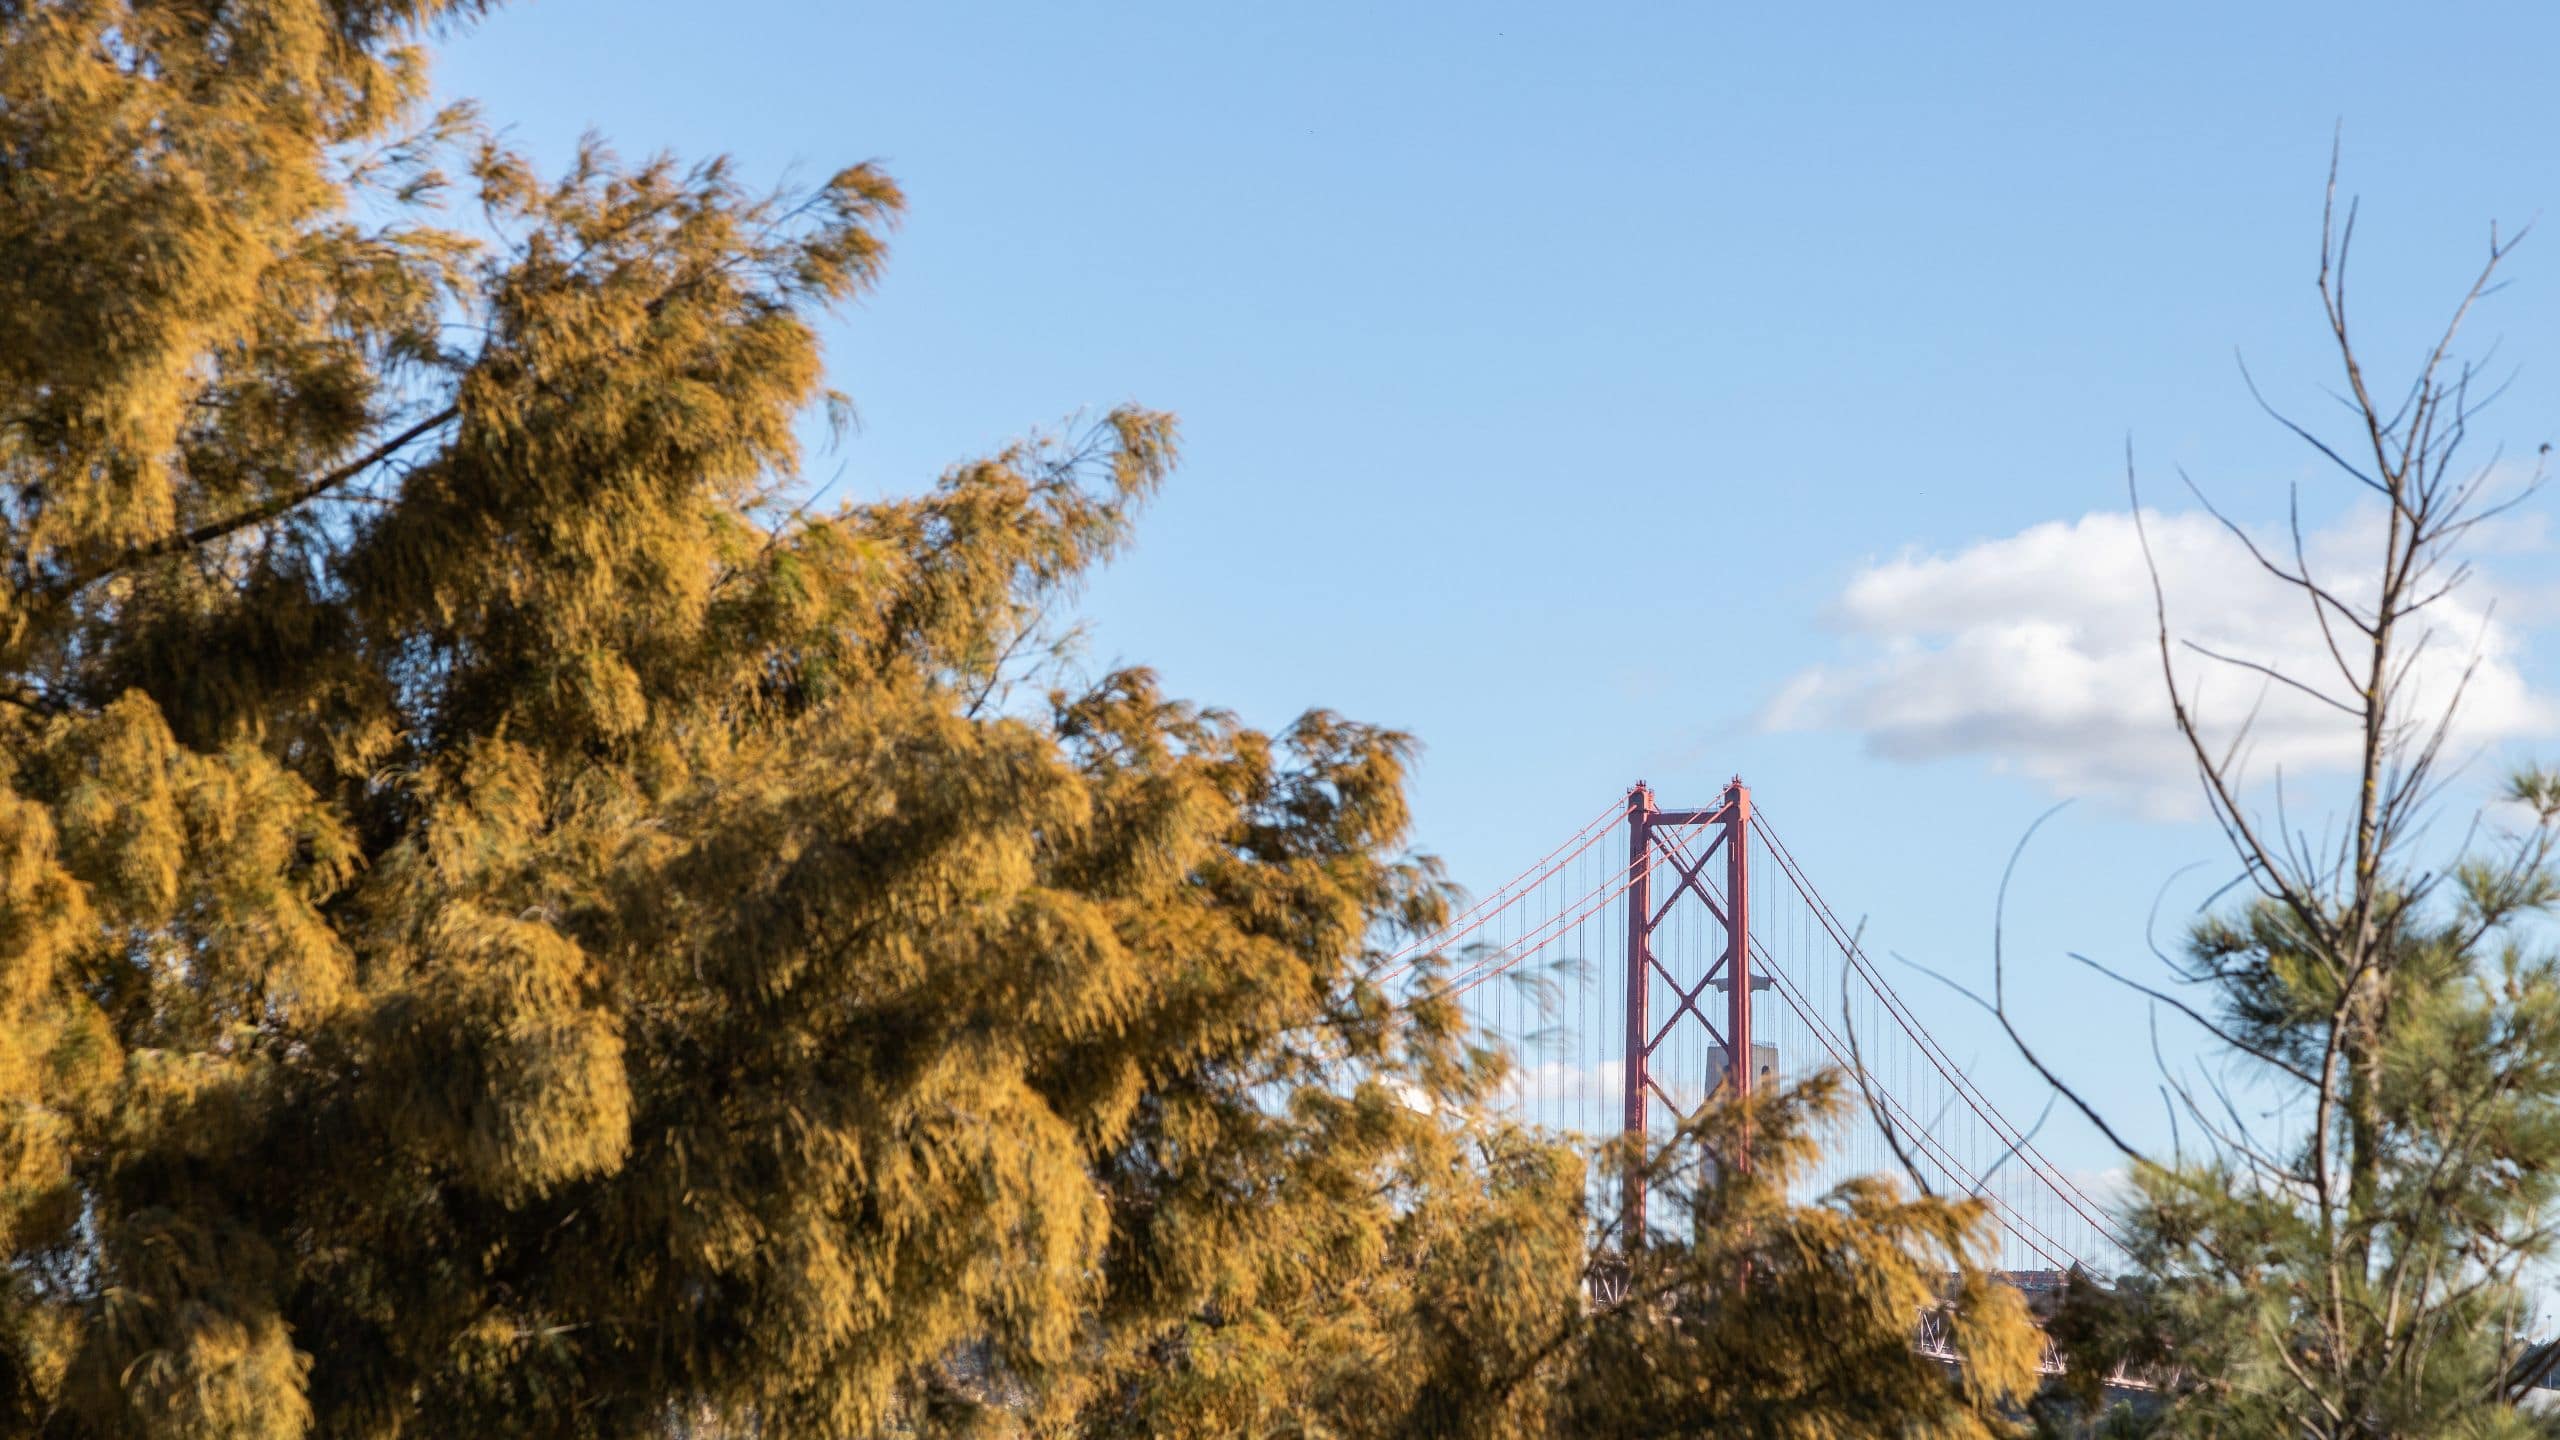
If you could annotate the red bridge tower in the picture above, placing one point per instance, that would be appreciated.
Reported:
(1656, 836)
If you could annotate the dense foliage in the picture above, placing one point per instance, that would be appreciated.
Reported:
(509, 927)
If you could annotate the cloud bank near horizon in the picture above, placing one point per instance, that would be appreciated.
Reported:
(2038, 653)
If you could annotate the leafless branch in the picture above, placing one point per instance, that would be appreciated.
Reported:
(2272, 673)
(2200, 1018)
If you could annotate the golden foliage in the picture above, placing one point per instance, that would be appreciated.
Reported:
(507, 928)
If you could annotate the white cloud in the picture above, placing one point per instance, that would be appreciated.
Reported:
(2038, 652)
(1560, 1086)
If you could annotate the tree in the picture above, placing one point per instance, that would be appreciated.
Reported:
(2362, 1273)
(512, 923)
(1750, 1314)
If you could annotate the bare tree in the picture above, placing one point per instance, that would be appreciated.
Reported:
(2361, 1272)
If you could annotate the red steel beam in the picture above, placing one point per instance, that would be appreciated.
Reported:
(1631, 1065)
(1739, 1061)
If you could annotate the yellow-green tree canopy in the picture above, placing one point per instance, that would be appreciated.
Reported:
(1752, 1312)
(507, 927)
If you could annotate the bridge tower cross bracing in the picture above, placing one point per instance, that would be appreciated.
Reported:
(1654, 838)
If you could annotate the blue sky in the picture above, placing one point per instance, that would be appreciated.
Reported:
(1573, 385)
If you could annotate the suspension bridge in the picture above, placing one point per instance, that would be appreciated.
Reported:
(1626, 970)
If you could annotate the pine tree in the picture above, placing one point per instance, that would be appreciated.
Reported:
(2363, 1266)
(511, 923)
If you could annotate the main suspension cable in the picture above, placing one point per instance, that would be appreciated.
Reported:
(2022, 1144)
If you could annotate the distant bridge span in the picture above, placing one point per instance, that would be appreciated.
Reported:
(1627, 966)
